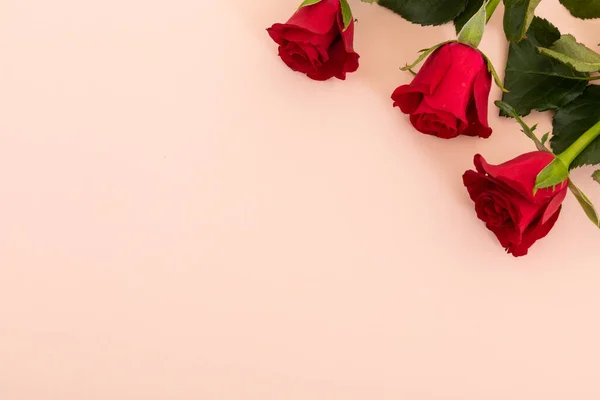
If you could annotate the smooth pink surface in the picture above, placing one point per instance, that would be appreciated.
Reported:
(183, 217)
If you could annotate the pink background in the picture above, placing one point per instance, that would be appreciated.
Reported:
(182, 217)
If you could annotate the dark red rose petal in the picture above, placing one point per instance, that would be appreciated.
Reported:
(515, 216)
(534, 233)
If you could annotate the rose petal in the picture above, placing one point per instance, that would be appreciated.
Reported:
(408, 97)
(506, 182)
(455, 91)
(520, 173)
(433, 122)
(282, 33)
(434, 70)
(347, 35)
(312, 54)
(554, 205)
(317, 18)
(477, 113)
(334, 66)
(534, 233)
(474, 127)
(295, 58)
(481, 95)
(479, 185)
(318, 31)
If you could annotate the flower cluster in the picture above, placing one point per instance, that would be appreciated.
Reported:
(519, 200)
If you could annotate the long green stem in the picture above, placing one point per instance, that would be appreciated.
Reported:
(580, 145)
(490, 8)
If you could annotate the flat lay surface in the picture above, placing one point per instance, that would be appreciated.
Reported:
(184, 217)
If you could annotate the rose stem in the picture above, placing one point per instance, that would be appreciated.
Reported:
(580, 145)
(490, 8)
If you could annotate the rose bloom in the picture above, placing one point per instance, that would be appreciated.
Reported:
(315, 42)
(504, 200)
(449, 96)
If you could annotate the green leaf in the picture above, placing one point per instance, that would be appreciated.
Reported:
(308, 3)
(472, 33)
(518, 15)
(511, 112)
(583, 8)
(426, 12)
(346, 13)
(555, 173)
(596, 176)
(545, 138)
(585, 203)
(535, 81)
(472, 7)
(576, 55)
(573, 120)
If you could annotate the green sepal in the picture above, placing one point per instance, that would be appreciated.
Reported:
(424, 54)
(346, 13)
(554, 174)
(497, 80)
(585, 203)
(465, 16)
(472, 32)
(308, 3)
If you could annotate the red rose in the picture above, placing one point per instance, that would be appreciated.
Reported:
(504, 200)
(449, 96)
(315, 42)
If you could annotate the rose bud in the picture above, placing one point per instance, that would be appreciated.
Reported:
(504, 199)
(449, 95)
(315, 42)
